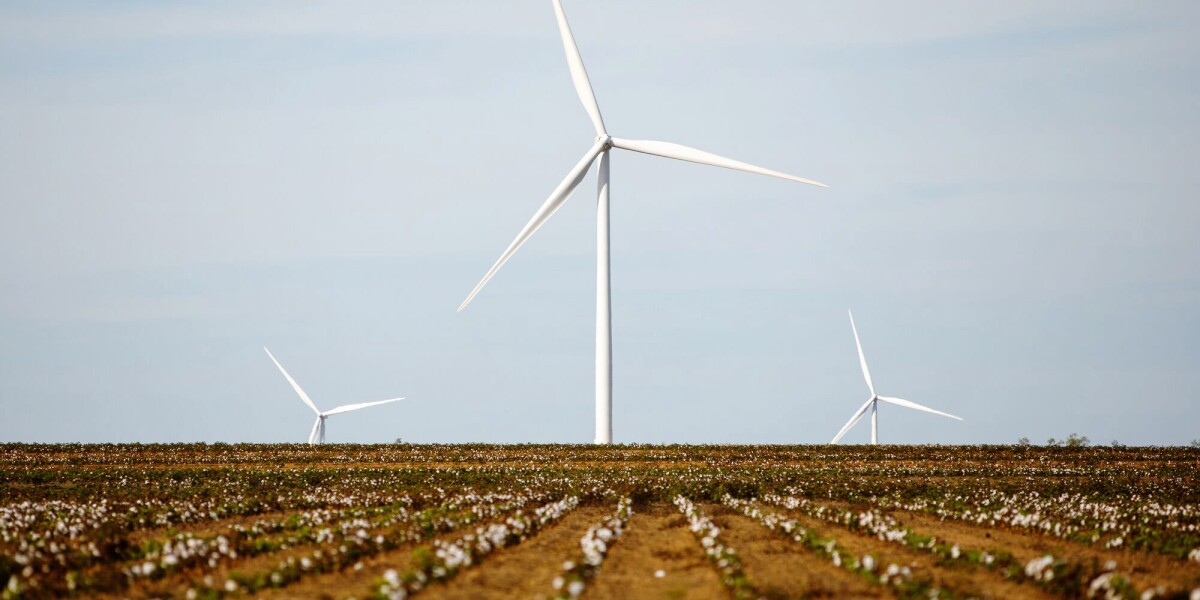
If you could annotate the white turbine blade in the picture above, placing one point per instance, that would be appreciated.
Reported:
(579, 76)
(312, 437)
(295, 385)
(350, 407)
(678, 152)
(909, 404)
(858, 415)
(543, 214)
(862, 359)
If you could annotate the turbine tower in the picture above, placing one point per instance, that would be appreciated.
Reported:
(318, 431)
(598, 152)
(873, 402)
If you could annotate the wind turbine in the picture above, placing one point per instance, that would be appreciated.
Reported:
(598, 152)
(873, 401)
(318, 431)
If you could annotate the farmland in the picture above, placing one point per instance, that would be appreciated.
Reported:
(565, 521)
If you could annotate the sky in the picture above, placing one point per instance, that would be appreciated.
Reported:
(1011, 216)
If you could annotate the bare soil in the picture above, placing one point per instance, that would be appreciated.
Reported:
(1144, 569)
(204, 528)
(781, 568)
(974, 581)
(657, 539)
(527, 569)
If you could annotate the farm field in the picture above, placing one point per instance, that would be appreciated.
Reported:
(566, 521)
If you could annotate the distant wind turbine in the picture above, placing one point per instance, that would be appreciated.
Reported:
(873, 401)
(318, 431)
(599, 152)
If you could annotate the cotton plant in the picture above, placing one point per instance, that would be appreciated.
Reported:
(445, 558)
(593, 547)
(358, 543)
(1149, 524)
(1049, 572)
(724, 558)
(867, 566)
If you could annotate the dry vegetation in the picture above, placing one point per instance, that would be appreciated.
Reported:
(474, 521)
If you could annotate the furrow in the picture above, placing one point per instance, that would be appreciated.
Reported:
(444, 559)
(657, 558)
(782, 569)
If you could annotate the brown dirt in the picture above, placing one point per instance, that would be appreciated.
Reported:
(212, 528)
(969, 580)
(501, 565)
(781, 568)
(1144, 569)
(349, 582)
(525, 570)
(204, 528)
(178, 583)
(656, 538)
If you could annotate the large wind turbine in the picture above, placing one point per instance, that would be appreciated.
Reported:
(599, 152)
(873, 401)
(318, 431)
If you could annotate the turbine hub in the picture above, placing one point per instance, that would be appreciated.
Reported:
(605, 140)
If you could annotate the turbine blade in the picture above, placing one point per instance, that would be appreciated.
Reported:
(862, 358)
(678, 152)
(579, 76)
(350, 407)
(909, 404)
(543, 214)
(858, 415)
(312, 437)
(295, 385)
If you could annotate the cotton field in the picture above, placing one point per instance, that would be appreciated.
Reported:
(564, 521)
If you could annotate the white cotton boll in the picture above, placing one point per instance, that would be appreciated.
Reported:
(660, 573)
(575, 588)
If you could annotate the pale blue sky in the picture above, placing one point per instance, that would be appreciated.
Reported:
(1012, 218)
